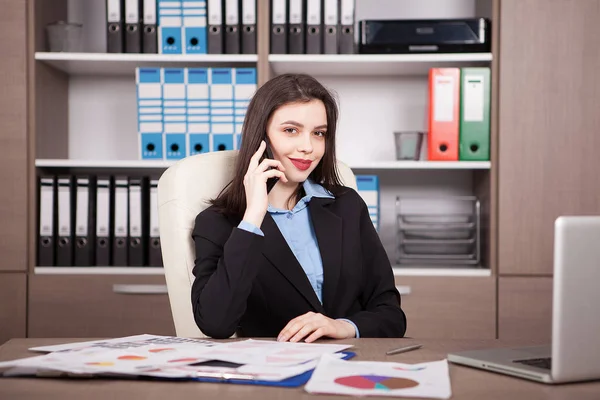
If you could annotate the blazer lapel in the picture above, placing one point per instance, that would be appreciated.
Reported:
(279, 253)
(328, 229)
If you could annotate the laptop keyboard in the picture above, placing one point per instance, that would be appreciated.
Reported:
(544, 363)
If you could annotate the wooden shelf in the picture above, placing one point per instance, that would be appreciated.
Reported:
(162, 164)
(99, 271)
(429, 271)
(373, 64)
(104, 164)
(125, 64)
(398, 271)
(442, 165)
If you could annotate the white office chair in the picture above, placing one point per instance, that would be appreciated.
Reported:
(182, 193)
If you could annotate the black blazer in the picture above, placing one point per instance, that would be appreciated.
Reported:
(253, 285)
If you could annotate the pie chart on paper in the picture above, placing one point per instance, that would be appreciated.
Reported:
(376, 382)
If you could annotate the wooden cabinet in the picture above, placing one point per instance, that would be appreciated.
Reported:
(13, 300)
(449, 307)
(98, 306)
(525, 309)
(14, 165)
(548, 126)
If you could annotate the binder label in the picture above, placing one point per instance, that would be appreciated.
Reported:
(121, 209)
(81, 213)
(173, 91)
(295, 11)
(102, 209)
(154, 228)
(132, 12)
(135, 210)
(443, 98)
(347, 11)
(150, 12)
(215, 14)
(46, 207)
(313, 11)
(113, 10)
(231, 12)
(331, 12)
(249, 12)
(198, 91)
(64, 208)
(279, 11)
(474, 103)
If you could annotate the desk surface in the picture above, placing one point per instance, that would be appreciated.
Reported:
(467, 383)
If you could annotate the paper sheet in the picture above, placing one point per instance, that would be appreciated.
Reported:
(253, 372)
(370, 378)
(147, 355)
(100, 361)
(270, 353)
(123, 343)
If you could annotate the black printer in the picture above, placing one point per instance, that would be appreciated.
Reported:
(472, 35)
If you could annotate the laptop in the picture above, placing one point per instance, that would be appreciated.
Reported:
(574, 353)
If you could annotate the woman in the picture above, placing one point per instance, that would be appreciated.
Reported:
(304, 260)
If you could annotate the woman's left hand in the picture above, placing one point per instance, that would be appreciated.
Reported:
(317, 325)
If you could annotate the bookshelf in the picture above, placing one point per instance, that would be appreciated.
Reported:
(164, 164)
(54, 106)
(398, 271)
(104, 164)
(99, 270)
(372, 64)
(102, 64)
(83, 119)
(93, 101)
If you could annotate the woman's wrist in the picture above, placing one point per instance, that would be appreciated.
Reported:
(254, 218)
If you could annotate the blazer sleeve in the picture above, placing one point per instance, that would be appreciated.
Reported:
(382, 315)
(224, 270)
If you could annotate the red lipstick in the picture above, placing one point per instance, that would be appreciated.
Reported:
(301, 164)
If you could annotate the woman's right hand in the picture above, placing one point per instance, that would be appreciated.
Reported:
(255, 184)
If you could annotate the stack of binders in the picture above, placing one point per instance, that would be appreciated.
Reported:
(89, 220)
(188, 111)
(368, 189)
(459, 114)
(312, 27)
(231, 26)
(181, 27)
(131, 26)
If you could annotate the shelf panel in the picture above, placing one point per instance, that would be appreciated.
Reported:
(398, 271)
(104, 164)
(125, 64)
(373, 64)
(443, 165)
(99, 271)
(161, 164)
(428, 271)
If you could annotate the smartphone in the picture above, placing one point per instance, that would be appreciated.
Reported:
(269, 154)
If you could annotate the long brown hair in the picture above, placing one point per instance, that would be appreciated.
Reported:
(279, 91)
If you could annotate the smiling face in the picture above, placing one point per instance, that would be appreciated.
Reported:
(297, 134)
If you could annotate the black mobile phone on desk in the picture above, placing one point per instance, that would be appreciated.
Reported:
(269, 154)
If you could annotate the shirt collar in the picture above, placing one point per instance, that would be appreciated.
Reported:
(311, 189)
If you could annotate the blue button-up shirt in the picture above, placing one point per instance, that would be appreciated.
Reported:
(296, 227)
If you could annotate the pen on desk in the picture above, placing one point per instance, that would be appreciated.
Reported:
(403, 349)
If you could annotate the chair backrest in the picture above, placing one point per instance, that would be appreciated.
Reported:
(183, 191)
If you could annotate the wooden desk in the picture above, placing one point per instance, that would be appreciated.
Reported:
(467, 383)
